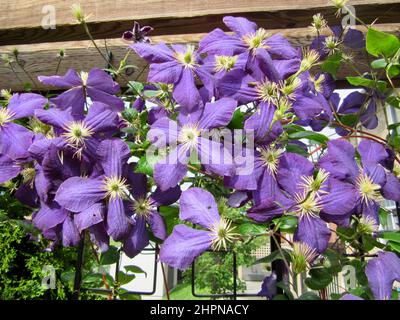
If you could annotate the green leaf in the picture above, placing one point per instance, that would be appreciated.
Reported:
(294, 148)
(136, 86)
(93, 279)
(171, 216)
(151, 93)
(394, 101)
(125, 295)
(392, 236)
(369, 83)
(237, 121)
(332, 64)
(249, 228)
(286, 223)
(146, 164)
(309, 296)
(291, 128)
(284, 286)
(395, 246)
(135, 269)
(378, 64)
(124, 278)
(319, 278)
(111, 256)
(310, 135)
(381, 43)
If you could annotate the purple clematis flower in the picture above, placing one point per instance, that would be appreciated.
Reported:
(268, 287)
(313, 198)
(178, 66)
(78, 194)
(381, 272)
(138, 34)
(185, 244)
(14, 138)
(369, 181)
(254, 45)
(97, 85)
(81, 134)
(145, 211)
(185, 138)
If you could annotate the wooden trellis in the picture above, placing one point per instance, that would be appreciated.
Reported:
(175, 21)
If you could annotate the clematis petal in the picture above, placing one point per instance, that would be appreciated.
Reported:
(89, 217)
(219, 43)
(8, 168)
(99, 236)
(185, 91)
(381, 272)
(49, 216)
(113, 155)
(24, 105)
(199, 207)
(69, 80)
(348, 296)
(55, 117)
(171, 170)
(158, 53)
(280, 48)
(340, 199)
(292, 167)
(157, 225)
(101, 119)
(391, 189)
(314, 232)
(241, 26)
(218, 113)
(137, 239)
(115, 103)
(371, 152)
(269, 287)
(340, 160)
(166, 72)
(117, 223)
(235, 84)
(77, 194)
(15, 141)
(73, 98)
(70, 234)
(167, 197)
(163, 132)
(183, 246)
(103, 81)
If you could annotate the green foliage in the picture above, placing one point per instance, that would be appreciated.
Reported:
(381, 43)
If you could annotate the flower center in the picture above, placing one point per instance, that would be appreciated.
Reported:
(77, 132)
(225, 63)
(311, 184)
(270, 157)
(310, 58)
(115, 187)
(84, 76)
(5, 116)
(256, 39)
(267, 91)
(368, 190)
(28, 175)
(222, 233)
(142, 207)
(288, 88)
(307, 205)
(318, 82)
(189, 136)
(187, 58)
(302, 256)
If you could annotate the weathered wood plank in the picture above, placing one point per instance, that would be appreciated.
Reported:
(41, 59)
(21, 20)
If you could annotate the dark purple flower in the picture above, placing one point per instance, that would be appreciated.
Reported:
(81, 134)
(369, 181)
(185, 138)
(268, 287)
(348, 296)
(78, 194)
(14, 138)
(96, 85)
(381, 272)
(145, 211)
(185, 244)
(295, 189)
(138, 34)
(177, 66)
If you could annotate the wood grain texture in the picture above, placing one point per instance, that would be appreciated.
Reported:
(41, 59)
(21, 20)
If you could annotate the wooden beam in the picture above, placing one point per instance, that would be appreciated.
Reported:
(21, 20)
(41, 59)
